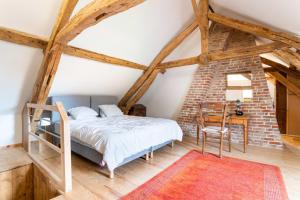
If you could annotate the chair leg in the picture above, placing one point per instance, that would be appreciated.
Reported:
(229, 140)
(221, 144)
(198, 134)
(203, 141)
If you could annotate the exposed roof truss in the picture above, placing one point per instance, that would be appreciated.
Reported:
(65, 30)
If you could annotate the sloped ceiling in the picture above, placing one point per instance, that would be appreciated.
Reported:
(136, 35)
(278, 14)
(163, 100)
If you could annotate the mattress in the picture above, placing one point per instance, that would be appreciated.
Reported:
(119, 138)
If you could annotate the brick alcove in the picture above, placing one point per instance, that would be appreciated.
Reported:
(209, 84)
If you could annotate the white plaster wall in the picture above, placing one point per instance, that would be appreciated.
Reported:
(31, 16)
(80, 76)
(278, 14)
(18, 71)
(167, 94)
(137, 35)
(19, 64)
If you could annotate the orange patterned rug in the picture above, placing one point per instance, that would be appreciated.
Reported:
(197, 176)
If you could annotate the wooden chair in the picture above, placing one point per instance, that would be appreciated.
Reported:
(211, 122)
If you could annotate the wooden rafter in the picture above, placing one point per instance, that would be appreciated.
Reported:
(158, 59)
(255, 29)
(90, 55)
(179, 63)
(141, 85)
(142, 90)
(270, 69)
(30, 40)
(201, 13)
(204, 8)
(62, 19)
(289, 57)
(51, 59)
(22, 38)
(65, 30)
(52, 54)
(92, 14)
(290, 86)
(249, 51)
(222, 55)
(279, 67)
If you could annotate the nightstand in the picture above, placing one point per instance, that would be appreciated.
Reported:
(138, 110)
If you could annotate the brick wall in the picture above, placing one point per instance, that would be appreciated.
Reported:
(209, 84)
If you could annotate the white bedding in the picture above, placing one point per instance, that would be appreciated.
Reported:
(120, 137)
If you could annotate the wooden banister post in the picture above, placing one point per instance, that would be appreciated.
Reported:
(65, 148)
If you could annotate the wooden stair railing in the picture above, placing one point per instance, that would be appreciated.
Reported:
(35, 133)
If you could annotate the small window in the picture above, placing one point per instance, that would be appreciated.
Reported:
(239, 87)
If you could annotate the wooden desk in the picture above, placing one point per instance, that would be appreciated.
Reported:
(236, 120)
(242, 120)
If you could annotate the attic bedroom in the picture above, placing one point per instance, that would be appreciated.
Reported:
(136, 100)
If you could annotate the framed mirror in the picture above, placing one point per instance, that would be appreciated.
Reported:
(239, 87)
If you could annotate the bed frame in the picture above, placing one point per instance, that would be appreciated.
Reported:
(82, 149)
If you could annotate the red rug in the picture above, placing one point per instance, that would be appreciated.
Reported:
(195, 176)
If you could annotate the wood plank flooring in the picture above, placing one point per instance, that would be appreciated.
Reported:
(90, 183)
(11, 158)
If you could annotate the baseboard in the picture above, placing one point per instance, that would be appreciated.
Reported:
(11, 146)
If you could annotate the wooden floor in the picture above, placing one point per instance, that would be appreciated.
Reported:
(12, 158)
(90, 183)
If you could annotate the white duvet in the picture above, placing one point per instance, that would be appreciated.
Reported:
(120, 137)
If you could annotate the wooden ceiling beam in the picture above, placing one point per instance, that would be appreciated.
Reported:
(204, 22)
(90, 55)
(142, 90)
(92, 14)
(281, 68)
(256, 29)
(242, 52)
(289, 57)
(157, 60)
(222, 55)
(52, 55)
(179, 63)
(270, 69)
(22, 38)
(201, 14)
(288, 84)
(64, 15)
(30, 40)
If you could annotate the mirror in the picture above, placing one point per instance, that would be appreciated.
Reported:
(239, 87)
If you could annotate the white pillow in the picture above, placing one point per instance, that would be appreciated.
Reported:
(110, 110)
(82, 112)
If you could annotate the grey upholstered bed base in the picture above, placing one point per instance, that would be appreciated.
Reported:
(96, 157)
(92, 102)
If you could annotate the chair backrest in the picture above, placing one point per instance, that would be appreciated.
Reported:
(213, 113)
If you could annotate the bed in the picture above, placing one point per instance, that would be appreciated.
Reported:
(117, 140)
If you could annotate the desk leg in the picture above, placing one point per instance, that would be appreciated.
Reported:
(198, 134)
(245, 136)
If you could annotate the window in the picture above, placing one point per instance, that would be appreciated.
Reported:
(239, 87)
